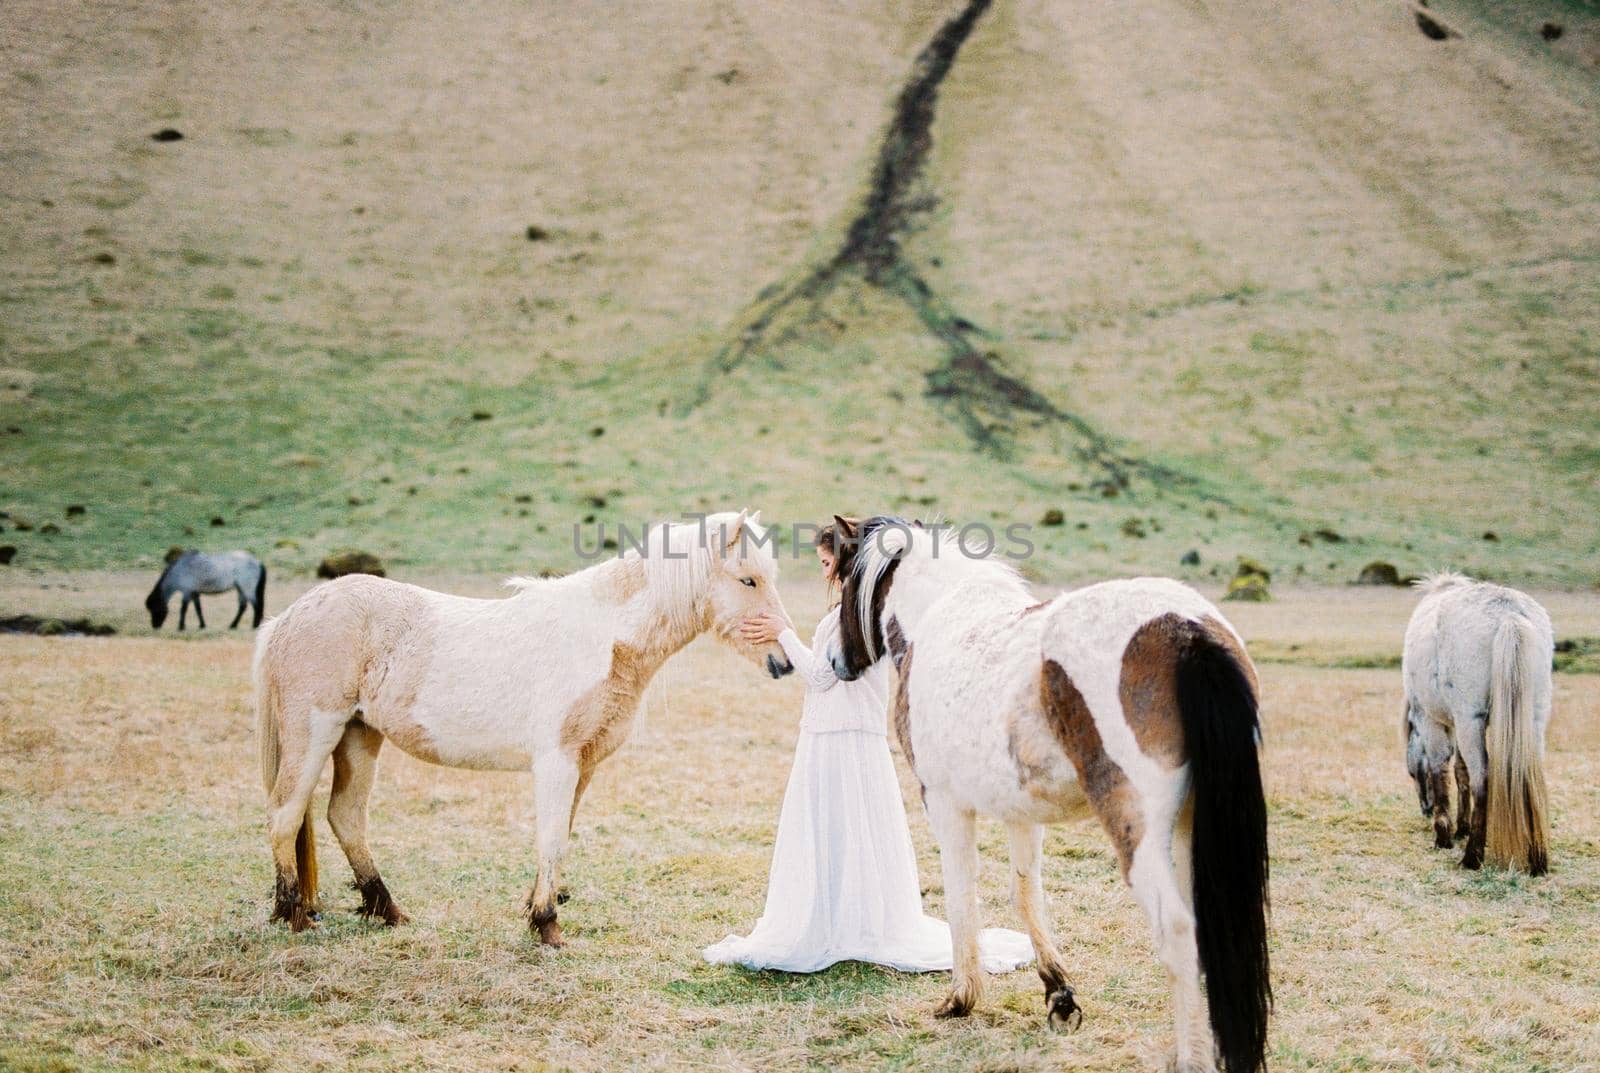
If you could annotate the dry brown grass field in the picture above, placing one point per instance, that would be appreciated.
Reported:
(133, 931)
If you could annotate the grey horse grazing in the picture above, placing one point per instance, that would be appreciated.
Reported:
(1477, 681)
(194, 572)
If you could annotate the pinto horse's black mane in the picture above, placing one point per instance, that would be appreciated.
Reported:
(861, 644)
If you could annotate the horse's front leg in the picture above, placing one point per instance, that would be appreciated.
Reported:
(555, 788)
(235, 623)
(954, 829)
(183, 612)
(198, 614)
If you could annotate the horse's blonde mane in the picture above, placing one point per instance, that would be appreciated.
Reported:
(1442, 579)
(677, 564)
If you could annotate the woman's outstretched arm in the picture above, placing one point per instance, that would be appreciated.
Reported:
(816, 672)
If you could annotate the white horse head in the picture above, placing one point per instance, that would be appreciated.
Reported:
(715, 573)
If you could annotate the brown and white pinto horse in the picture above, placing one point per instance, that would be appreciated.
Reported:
(547, 681)
(1136, 695)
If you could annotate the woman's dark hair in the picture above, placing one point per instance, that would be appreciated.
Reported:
(841, 537)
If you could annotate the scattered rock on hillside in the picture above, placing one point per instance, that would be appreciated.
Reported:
(1190, 558)
(535, 233)
(217, 522)
(49, 528)
(1491, 536)
(1248, 566)
(1250, 588)
(1379, 573)
(54, 627)
(1053, 516)
(1550, 31)
(482, 415)
(1133, 528)
(167, 134)
(341, 563)
(76, 510)
(8, 552)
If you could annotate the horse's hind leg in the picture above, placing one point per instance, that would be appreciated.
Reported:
(954, 829)
(242, 604)
(355, 762)
(1027, 893)
(183, 612)
(305, 743)
(1161, 877)
(1463, 798)
(198, 614)
(1469, 740)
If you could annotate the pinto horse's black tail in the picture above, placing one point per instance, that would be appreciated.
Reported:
(1218, 704)
(261, 596)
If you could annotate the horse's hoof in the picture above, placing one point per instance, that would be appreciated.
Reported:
(1063, 1012)
(1472, 862)
(1441, 840)
(953, 1006)
(550, 934)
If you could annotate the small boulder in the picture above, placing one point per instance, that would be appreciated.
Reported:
(1552, 31)
(167, 134)
(1491, 536)
(535, 233)
(1053, 516)
(1248, 566)
(1248, 588)
(76, 510)
(1190, 558)
(1379, 573)
(217, 521)
(341, 563)
(8, 552)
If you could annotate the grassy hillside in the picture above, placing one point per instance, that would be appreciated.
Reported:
(1261, 271)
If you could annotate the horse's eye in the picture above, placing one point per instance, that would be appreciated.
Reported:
(748, 581)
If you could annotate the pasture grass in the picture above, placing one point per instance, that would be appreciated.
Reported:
(133, 929)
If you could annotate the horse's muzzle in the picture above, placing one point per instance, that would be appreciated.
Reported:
(841, 669)
(776, 669)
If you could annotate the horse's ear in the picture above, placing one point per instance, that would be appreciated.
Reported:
(735, 532)
(846, 526)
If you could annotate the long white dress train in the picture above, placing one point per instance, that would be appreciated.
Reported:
(843, 885)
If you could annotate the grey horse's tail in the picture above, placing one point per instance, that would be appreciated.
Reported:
(261, 595)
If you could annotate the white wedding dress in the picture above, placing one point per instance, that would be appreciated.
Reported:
(843, 885)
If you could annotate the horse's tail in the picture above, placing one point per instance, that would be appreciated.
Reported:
(269, 711)
(261, 594)
(1217, 703)
(1517, 813)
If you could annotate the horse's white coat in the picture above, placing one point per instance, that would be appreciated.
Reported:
(979, 641)
(1449, 667)
(547, 679)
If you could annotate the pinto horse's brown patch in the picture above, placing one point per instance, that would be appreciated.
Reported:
(1148, 687)
(1103, 781)
(895, 640)
(900, 706)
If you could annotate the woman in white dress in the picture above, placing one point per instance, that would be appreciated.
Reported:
(843, 885)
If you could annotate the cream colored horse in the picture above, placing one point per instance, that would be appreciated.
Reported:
(1477, 680)
(1135, 696)
(546, 680)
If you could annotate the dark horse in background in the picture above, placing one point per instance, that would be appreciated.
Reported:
(194, 572)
